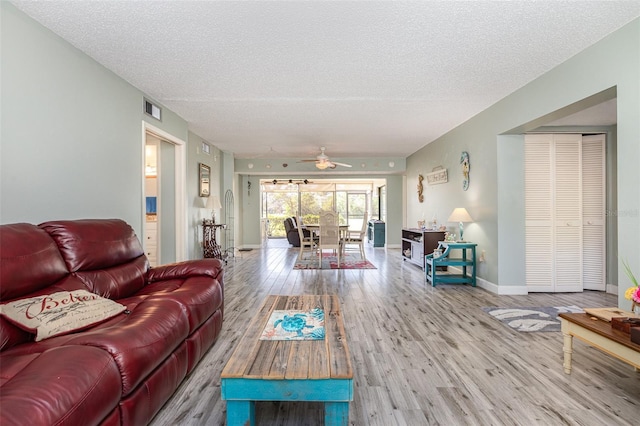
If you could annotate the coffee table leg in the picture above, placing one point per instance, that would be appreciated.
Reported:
(568, 350)
(241, 413)
(336, 413)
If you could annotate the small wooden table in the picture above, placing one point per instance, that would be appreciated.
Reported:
(433, 264)
(600, 335)
(210, 246)
(290, 370)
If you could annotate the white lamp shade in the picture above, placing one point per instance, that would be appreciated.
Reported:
(460, 214)
(213, 202)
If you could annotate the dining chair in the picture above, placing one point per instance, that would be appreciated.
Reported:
(356, 237)
(307, 242)
(329, 235)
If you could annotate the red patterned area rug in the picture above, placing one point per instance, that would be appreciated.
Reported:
(330, 261)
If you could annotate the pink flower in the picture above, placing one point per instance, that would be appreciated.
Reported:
(635, 296)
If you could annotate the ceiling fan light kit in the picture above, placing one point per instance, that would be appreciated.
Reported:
(323, 162)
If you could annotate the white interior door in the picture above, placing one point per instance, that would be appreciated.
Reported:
(567, 212)
(539, 213)
(172, 192)
(150, 240)
(593, 213)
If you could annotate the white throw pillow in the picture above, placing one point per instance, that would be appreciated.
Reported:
(59, 313)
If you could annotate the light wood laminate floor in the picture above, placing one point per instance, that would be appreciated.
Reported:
(421, 355)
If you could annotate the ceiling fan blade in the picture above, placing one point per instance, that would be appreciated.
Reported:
(342, 164)
(308, 161)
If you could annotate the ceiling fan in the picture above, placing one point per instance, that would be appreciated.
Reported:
(323, 162)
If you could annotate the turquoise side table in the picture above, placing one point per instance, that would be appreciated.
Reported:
(465, 261)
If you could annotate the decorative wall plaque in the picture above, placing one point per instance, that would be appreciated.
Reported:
(420, 188)
(437, 176)
(466, 167)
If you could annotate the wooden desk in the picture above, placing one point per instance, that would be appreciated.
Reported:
(600, 335)
(287, 370)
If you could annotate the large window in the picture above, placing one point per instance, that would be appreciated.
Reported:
(286, 198)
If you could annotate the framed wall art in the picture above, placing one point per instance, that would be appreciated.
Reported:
(205, 177)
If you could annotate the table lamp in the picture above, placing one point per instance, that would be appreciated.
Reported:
(460, 215)
(213, 204)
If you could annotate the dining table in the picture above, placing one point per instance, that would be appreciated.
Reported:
(315, 228)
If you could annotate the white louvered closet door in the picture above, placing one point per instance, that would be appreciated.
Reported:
(538, 213)
(564, 199)
(568, 212)
(593, 213)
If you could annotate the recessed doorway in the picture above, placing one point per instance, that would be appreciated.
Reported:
(167, 190)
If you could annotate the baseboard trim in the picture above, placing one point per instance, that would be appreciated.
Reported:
(506, 290)
(251, 246)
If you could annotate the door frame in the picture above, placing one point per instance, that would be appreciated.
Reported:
(180, 186)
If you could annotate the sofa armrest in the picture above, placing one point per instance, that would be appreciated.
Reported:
(189, 268)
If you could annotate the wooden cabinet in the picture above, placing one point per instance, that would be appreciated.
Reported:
(151, 241)
(375, 233)
(417, 242)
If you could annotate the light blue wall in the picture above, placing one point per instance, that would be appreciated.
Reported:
(249, 201)
(612, 62)
(67, 125)
(511, 213)
(71, 131)
(395, 209)
(196, 209)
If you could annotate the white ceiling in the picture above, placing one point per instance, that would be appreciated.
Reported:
(361, 78)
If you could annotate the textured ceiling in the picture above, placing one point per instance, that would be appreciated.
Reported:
(361, 78)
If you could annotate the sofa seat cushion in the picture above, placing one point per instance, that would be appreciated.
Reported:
(12, 335)
(138, 341)
(200, 295)
(66, 385)
(196, 284)
(59, 313)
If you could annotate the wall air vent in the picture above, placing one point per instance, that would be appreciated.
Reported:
(153, 110)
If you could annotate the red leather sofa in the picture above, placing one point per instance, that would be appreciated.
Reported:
(120, 371)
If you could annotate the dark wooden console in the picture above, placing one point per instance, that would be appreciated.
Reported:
(417, 242)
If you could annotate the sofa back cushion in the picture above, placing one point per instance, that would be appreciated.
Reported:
(29, 263)
(104, 253)
(29, 260)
